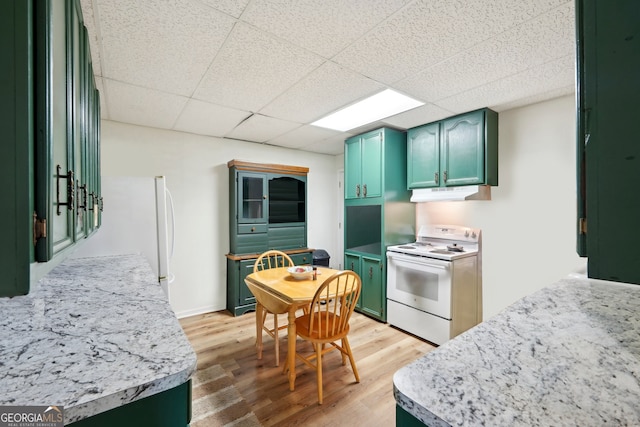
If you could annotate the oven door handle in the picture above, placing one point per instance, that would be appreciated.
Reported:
(421, 262)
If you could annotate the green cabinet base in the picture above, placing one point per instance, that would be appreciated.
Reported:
(239, 299)
(169, 408)
(405, 419)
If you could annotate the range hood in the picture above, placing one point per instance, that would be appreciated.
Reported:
(467, 192)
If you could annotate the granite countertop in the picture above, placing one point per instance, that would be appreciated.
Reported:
(566, 355)
(94, 334)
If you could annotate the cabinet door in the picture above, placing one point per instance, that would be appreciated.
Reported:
(76, 60)
(373, 295)
(55, 180)
(352, 262)
(353, 168)
(372, 165)
(462, 158)
(246, 297)
(252, 198)
(423, 156)
(16, 148)
(302, 259)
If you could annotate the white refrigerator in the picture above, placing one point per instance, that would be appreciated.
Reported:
(138, 217)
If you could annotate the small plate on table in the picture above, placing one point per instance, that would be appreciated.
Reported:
(300, 272)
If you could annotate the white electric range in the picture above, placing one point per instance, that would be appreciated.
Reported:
(434, 285)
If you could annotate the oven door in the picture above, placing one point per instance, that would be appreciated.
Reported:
(419, 282)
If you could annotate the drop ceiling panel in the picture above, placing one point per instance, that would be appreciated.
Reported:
(161, 45)
(90, 23)
(535, 42)
(253, 68)
(333, 145)
(259, 128)
(303, 135)
(326, 89)
(427, 32)
(418, 116)
(132, 104)
(324, 27)
(209, 119)
(230, 7)
(204, 66)
(544, 78)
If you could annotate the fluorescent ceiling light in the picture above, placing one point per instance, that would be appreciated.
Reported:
(379, 106)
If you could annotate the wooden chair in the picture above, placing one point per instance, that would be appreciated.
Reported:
(267, 260)
(328, 322)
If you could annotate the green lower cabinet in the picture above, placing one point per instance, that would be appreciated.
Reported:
(302, 259)
(239, 298)
(170, 408)
(405, 419)
(373, 297)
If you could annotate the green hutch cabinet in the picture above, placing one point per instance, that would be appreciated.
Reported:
(50, 114)
(608, 150)
(460, 150)
(267, 210)
(377, 211)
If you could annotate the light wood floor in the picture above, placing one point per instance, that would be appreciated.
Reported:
(379, 350)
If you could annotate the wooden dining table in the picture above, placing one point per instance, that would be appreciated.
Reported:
(277, 291)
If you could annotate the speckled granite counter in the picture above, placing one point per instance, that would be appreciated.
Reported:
(568, 355)
(95, 334)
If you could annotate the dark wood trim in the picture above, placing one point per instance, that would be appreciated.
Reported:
(267, 167)
(244, 257)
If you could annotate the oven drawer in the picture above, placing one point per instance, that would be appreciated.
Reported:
(421, 283)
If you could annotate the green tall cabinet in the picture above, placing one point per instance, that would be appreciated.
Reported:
(49, 111)
(267, 210)
(378, 212)
(608, 149)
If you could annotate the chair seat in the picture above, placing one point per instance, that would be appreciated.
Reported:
(302, 327)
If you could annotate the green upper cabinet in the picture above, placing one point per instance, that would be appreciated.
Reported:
(363, 160)
(461, 150)
(16, 149)
(50, 148)
(423, 156)
(608, 151)
(267, 207)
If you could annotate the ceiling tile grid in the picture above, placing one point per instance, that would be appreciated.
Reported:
(204, 118)
(158, 44)
(253, 68)
(259, 128)
(547, 77)
(531, 44)
(263, 70)
(324, 27)
(302, 135)
(326, 89)
(142, 106)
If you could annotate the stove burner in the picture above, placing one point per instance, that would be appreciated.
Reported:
(455, 248)
(406, 247)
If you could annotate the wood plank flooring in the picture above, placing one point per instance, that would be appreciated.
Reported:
(379, 349)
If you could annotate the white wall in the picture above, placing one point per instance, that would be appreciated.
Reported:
(529, 225)
(196, 172)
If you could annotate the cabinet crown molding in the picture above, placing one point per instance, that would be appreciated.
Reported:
(267, 167)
